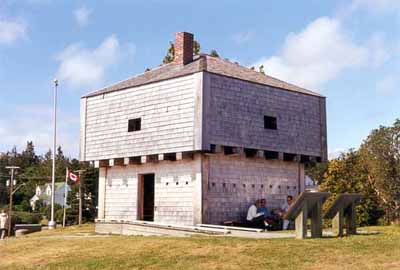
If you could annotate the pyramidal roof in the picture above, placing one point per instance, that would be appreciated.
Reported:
(207, 63)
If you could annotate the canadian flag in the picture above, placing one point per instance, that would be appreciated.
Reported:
(73, 177)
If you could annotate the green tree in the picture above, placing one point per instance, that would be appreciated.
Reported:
(196, 47)
(4, 175)
(347, 174)
(170, 55)
(381, 158)
(36, 170)
(261, 69)
(214, 53)
(28, 156)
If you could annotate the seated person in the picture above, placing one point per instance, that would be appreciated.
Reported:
(263, 208)
(268, 215)
(284, 208)
(256, 220)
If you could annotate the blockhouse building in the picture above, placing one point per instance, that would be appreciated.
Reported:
(199, 139)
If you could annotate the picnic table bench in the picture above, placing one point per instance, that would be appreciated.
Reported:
(307, 206)
(343, 213)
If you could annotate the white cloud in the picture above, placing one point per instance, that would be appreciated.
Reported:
(316, 55)
(387, 86)
(81, 67)
(11, 30)
(82, 15)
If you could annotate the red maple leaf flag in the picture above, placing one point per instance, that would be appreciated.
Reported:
(73, 177)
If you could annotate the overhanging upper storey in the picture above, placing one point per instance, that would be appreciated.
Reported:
(200, 103)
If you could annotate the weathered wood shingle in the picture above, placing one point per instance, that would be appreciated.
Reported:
(200, 63)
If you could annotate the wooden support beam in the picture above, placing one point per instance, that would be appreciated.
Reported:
(260, 154)
(280, 155)
(126, 161)
(238, 150)
(143, 159)
(179, 156)
(160, 157)
(101, 163)
(111, 162)
(116, 162)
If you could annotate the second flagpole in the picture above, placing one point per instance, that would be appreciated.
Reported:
(65, 196)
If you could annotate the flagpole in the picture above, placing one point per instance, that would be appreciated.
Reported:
(52, 223)
(65, 195)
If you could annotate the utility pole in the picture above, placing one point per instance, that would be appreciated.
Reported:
(52, 222)
(80, 195)
(10, 205)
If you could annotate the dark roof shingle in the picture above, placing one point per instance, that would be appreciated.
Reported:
(207, 63)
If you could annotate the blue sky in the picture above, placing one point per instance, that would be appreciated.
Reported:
(346, 50)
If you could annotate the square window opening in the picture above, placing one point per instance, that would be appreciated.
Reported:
(270, 122)
(134, 124)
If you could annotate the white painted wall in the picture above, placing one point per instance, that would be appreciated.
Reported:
(175, 202)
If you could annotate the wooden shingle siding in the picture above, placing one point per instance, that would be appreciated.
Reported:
(235, 182)
(174, 202)
(83, 115)
(120, 193)
(235, 110)
(167, 112)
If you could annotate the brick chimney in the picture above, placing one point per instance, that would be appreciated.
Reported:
(183, 48)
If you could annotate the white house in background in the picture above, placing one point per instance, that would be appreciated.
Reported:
(43, 193)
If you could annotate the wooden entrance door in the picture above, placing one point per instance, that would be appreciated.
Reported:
(146, 197)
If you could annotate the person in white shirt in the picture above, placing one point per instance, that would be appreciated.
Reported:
(284, 208)
(256, 220)
(3, 224)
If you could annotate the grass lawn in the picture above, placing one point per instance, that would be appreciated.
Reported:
(46, 251)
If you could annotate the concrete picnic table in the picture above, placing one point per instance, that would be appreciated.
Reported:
(343, 213)
(307, 206)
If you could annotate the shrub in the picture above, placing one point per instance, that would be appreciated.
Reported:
(25, 218)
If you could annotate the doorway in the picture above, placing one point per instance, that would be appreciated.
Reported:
(146, 197)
